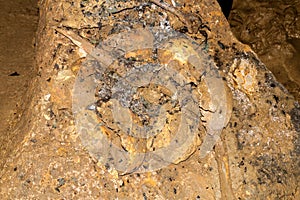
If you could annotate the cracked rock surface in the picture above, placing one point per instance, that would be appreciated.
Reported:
(255, 157)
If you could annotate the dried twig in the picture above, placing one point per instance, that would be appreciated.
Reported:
(77, 40)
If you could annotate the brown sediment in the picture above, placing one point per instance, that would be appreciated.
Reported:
(257, 156)
(18, 22)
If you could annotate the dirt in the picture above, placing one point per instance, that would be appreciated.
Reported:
(18, 24)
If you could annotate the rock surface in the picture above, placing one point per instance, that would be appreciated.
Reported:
(273, 31)
(257, 156)
(18, 21)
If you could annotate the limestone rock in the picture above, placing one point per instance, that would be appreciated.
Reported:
(255, 157)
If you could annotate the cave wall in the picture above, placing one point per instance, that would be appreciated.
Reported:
(256, 157)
